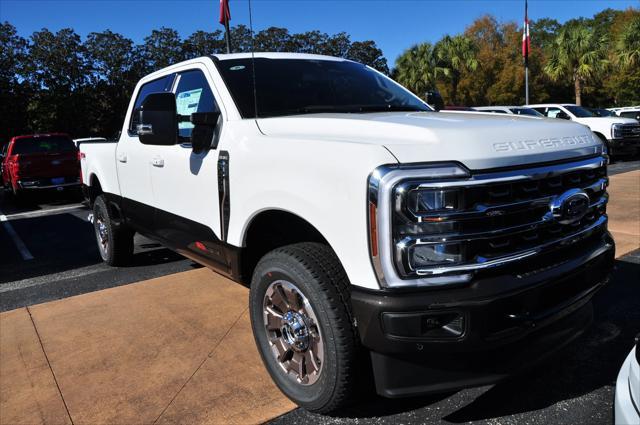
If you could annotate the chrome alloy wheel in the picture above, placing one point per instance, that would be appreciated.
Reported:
(102, 233)
(293, 332)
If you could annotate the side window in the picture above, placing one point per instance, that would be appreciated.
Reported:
(553, 112)
(155, 86)
(193, 94)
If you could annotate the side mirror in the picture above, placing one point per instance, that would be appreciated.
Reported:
(434, 99)
(204, 129)
(158, 120)
(563, 116)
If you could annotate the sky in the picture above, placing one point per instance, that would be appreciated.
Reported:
(394, 25)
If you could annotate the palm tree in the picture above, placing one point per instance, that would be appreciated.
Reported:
(578, 54)
(454, 55)
(627, 49)
(416, 69)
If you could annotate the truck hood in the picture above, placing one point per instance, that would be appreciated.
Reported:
(478, 140)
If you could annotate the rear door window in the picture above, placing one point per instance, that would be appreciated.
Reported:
(155, 86)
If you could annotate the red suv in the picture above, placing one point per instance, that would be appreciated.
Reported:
(40, 161)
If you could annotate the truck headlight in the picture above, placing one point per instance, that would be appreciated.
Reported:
(409, 210)
(616, 131)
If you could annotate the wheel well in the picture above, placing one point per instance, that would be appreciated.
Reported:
(95, 189)
(273, 229)
(601, 136)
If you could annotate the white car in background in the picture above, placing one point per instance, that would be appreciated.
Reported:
(627, 404)
(620, 135)
(627, 112)
(513, 110)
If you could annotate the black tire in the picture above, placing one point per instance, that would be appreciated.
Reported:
(316, 271)
(118, 249)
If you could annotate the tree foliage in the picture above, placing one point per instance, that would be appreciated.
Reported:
(578, 54)
(58, 82)
(602, 54)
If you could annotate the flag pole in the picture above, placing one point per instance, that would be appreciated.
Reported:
(225, 17)
(526, 43)
(526, 84)
(227, 35)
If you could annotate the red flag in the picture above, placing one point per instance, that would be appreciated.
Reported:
(225, 12)
(526, 41)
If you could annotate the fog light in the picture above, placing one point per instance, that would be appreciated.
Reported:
(429, 255)
(442, 325)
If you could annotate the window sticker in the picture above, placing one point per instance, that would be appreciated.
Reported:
(187, 103)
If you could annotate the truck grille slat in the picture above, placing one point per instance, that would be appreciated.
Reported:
(497, 219)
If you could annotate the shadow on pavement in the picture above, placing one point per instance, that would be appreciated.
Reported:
(64, 242)
(590, 363)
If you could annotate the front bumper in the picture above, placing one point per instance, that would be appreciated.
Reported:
(626, 145)
(494, 326)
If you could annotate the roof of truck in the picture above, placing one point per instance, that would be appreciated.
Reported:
(274, 55)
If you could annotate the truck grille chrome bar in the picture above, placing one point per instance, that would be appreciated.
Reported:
(498, 218)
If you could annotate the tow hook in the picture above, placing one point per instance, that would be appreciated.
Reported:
(90, 218)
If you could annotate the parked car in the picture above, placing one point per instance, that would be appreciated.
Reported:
(621, 135)
(627, 112)
(627, 404)
(601, 112)
(89, 139)
(513, 110)
(40, 161)
(449, 249)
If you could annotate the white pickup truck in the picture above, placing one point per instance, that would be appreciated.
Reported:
(620, 135)
(430, 250)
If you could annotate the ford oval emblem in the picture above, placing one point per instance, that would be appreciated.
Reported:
(570, 207)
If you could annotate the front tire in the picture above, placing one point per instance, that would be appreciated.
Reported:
(303, 327)
(115, 240)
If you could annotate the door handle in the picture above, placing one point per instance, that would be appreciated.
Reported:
(157, 162)
(122, 157)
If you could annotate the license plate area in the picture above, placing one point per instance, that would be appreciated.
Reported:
(57, 180)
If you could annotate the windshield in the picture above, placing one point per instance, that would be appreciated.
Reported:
(307, 86)
(47, 144)
(526, 111)
(579, 111)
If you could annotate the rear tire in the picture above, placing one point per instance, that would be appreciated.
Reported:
(311, 349)
(115, 240)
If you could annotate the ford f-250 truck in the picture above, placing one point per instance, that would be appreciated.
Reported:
(437, 250)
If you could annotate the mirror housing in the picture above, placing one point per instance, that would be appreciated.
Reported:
(204, 130)
(434, 99)
(158, 120)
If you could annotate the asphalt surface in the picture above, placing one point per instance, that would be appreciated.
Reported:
(48, 251)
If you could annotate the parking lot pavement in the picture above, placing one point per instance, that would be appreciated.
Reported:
(55, 232)
(623, 166)
(174, 349)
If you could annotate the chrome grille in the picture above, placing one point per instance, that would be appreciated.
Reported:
(630, 131)
(501, 217)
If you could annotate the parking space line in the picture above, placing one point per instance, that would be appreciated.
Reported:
(22, 248)
(40, 213)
